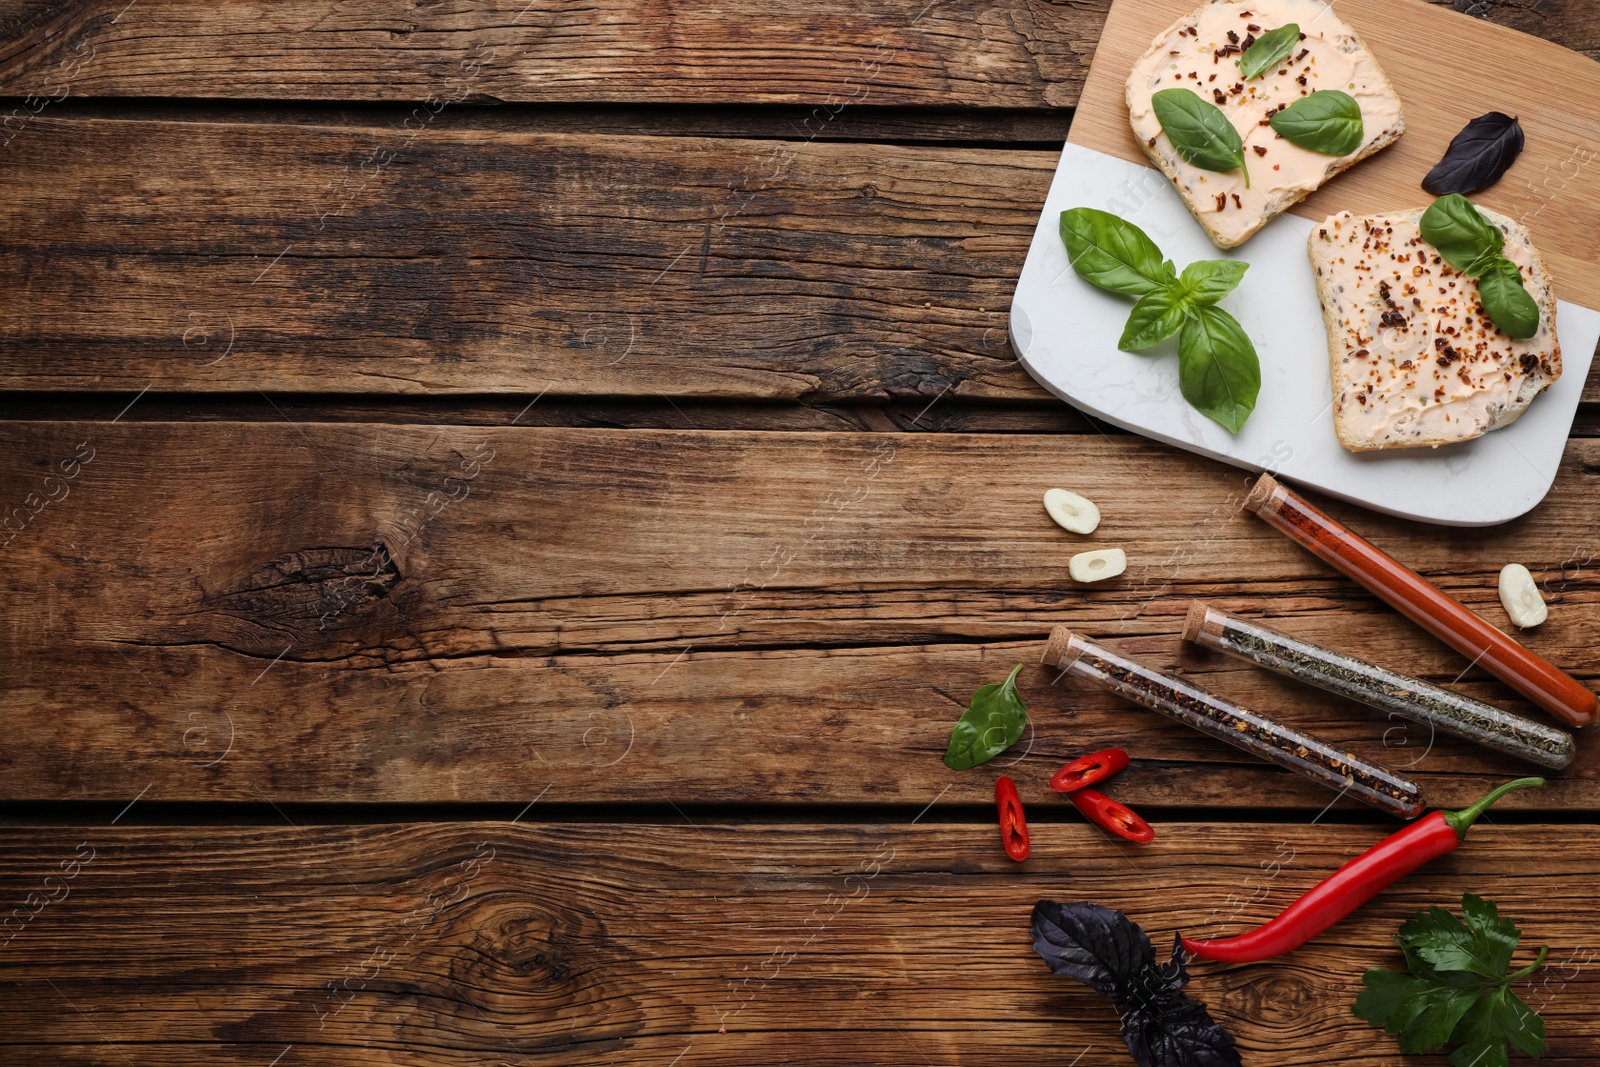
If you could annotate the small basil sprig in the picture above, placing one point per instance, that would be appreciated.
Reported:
(1218, 370)
(1199, 131)
(1328, 121)
(992, 723)
(1473, 245)
(1270, 49)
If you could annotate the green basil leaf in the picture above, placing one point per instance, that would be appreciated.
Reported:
(1507, 301)
(1199, 131)
(1464, 237)
(1270, 49)
(1155, 318)
(1327, 121)
(1112, 253)
(992, 723)
(1217, 367)
(1209, 280)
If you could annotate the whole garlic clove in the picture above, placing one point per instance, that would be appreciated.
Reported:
(1520, 596)
(1071, 511)
(1098, 565)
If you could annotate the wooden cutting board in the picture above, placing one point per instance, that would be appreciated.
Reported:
(1448, 68)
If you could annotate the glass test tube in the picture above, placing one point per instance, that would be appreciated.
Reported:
(1422, 602)
(1383, 689)
(1256, 734)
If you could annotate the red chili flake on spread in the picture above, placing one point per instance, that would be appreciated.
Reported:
(1253, 28)
(1222, 201)
(1236, 200)
(1218, 95)
(1261, 150)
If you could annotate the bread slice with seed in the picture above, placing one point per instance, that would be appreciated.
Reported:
(1414, 358)
(1201, 51)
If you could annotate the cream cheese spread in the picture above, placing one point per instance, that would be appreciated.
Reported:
(1414, 357)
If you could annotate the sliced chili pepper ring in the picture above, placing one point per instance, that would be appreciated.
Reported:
(1112, 816)
(1013, 824)
(1089, 770)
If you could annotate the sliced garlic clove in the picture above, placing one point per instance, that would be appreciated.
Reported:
(1098, 565)
(1071, 511)
(1521, 596)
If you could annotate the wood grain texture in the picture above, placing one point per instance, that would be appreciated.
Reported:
(1422, 48)
(1003, 53)
(878, 944)
(476, 261)
(1567, 22)
(376, 260)
(652, 616)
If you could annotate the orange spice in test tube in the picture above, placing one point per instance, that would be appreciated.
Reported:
(1422, 602)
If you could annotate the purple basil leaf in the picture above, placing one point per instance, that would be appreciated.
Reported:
(1102, 948)
(1478, 156)
(1108, 952)
(1183, 1034)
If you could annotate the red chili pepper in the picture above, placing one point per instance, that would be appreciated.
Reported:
(1089, 770)
(1111, 816)
(1352, 885)
(1013, 824)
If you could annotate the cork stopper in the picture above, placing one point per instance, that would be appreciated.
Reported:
(1265, 488)
(1058, 651)
(1195, 621)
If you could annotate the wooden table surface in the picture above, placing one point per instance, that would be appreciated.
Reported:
(507, 500)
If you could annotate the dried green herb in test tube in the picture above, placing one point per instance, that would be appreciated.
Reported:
(1386, 690)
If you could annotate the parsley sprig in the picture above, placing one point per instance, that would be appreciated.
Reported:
(1458, 991)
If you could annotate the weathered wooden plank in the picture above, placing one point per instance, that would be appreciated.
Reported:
(483, 942)
(360, 260)
(1566, 22)
(555, 264)
(205, 610)
(1005, 53)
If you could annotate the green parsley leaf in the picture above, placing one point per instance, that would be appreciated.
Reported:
(1328, 121)
(1199, 131)
(1270, 49)
(1218, 370)
(992, 723)
(1420, 1013)
(1458, 991)
(1499, 1019)
(1111, 253)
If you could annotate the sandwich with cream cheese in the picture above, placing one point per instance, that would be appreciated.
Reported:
(1415, 358)
(1201, 51)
